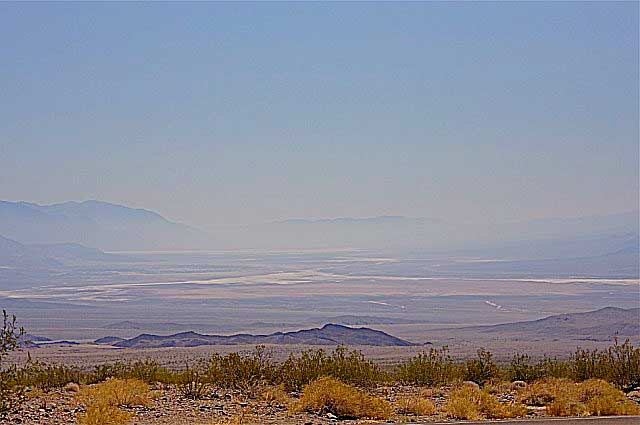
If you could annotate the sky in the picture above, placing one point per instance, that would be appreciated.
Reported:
(233, 113)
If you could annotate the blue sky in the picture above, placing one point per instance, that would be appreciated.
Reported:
(228, 113)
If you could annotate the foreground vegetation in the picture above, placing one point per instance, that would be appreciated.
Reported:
(341, 383)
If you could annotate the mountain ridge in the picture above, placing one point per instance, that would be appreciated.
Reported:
(330, 334)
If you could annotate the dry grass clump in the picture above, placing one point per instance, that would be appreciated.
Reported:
(593, 397)
(433, 392)
(544, 392)
(103, 401)
(415, 406)
(602, 399)
(117, 392)
(328, 395)
(245, 417)
(103, 414)
(471, 403)
(498, 387)
(275, 395)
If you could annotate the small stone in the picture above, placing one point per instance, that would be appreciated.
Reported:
(518, 384)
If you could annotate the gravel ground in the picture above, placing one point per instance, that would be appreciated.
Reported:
(58, 407)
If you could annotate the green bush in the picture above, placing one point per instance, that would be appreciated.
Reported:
(11, 385)
(350, 367)
(193, 382)
(434, 367)
(146, 370)
(481, 369)
(242, 372)
(47, 376)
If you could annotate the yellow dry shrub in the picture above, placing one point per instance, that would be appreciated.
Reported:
(593, 397)
(432, 392)
(462, 408)
(117, 392)
(471, 403)
(328, 395)
(545, 391)
(103, 414)
(497, 387)
(602, 399)
(245, 417)
(275, 395)
(566, 406)
(415, 406)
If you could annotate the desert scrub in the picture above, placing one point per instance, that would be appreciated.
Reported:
(471, 403)
(602, 399)
(147, 370)
(103, 414)
(245, 417)
(415, 406)
(481, 369)
(117, 392)
(275, 395)
(328, 395)
(242, 372)
(48, 376)
(593, 397)
(347, 366)
(12, 386)
(434, 367)
(192, 382)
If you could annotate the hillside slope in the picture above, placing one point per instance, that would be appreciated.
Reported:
(604, 323)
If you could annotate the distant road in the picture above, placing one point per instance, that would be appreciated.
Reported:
(602, 420)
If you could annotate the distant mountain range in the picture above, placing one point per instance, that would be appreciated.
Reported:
(109, 226)
(327, 335)
(96, 224)
(602, 324)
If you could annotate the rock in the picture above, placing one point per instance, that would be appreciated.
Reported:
(72, 387)
(634, 394)
(331, 416)
(471, 384)
(518, 384)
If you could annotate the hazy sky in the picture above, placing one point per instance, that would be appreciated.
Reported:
(237, 113)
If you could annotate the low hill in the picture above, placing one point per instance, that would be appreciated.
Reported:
(108, 340)
(352, 320)
(13, 254)
(327, 335)
(159, 327)
(599, 324)
(74, 252)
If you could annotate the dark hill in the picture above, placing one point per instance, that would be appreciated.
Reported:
(327, 335)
